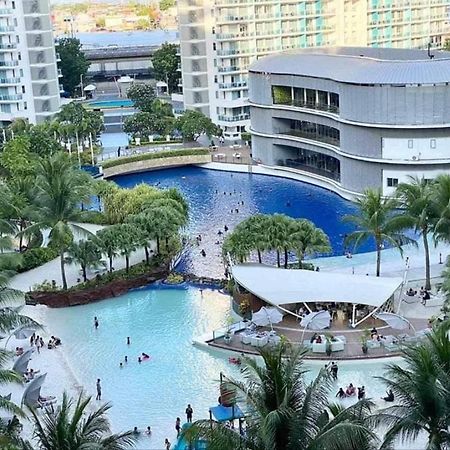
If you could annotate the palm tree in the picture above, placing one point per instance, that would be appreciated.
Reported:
(85, 253)
(307, 239)
(421, 387)
(278, 232)
(378, 219)
(73, 427)
(108, 242)
(286, 413)
(256, 227)
(10, 319)
(60, 188)
(441, 196)
(128, 240)
(416, 201)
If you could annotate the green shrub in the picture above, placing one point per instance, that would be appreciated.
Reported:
(147, 156)
(35, 257)
(246, 136)
(174, 278)
(281, 95)
(95, 217)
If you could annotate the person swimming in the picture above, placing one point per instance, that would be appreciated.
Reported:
(145, 356)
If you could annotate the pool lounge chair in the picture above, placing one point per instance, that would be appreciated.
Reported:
(391, 347)
(373, 344)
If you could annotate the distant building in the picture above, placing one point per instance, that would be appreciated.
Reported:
(351, 118)
(221, 38)
(29, 77)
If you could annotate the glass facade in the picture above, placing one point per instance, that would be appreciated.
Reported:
(311, 161)
(311, 130)
(305, 98)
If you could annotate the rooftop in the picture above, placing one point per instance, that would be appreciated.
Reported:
(361, 65)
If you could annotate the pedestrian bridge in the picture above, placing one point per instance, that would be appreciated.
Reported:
(120, 60)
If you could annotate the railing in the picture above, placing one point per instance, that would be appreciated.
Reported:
(7, 29)
(236, 118)
(9, 63)
(235, 51)
(310, 135)
(308, 105)
(297, 164)
(9, 80)
(11, 97)
(8, 46)
(237, 84)
(6, 11)
(235, 18)
(232, 68)
(222, 36)
(267, 16)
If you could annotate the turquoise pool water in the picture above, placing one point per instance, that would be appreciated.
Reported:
(162, 323)
(125, 103)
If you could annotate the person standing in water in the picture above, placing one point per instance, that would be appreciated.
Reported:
(189, 413)
(95, 322)
(99, 390)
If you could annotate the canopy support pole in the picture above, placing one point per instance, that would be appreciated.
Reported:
(353, 315)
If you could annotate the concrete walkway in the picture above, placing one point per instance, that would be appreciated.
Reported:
(52, 270)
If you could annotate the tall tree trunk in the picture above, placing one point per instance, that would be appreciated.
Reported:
(127, 263)
(110, 262)
(20, 236)
(285, 258)
(63, 270)
(259, 256)
(427, 259)
(147, 256)
(83, 268)
(157, 245)
(167, 242)
(278, 258)
(378, 259)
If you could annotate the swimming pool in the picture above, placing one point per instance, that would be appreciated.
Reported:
(214, 196)
(123, 103)
(161, 322)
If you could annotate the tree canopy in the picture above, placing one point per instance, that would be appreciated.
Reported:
(142, 95)
(73, 62)
(165, 64)
(192, 124)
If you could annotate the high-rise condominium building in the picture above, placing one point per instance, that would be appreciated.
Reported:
(29, 77)
(221, 38)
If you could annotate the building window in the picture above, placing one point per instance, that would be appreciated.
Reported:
(392, 182)
(432, 143)
(410, 143)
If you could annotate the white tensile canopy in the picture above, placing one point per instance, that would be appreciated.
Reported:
(90, 88)
(278, 287)
(395, 321)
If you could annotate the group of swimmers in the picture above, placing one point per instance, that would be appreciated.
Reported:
(351, 391)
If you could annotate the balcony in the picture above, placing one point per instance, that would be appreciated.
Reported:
(235, 18)
(8, 29)
(228, 36)
(311, 135)
(238, 84)
(302, 104)
(60, 73)
(237, 118)
(8, 47)
(6, 11)
(10, 98)
(227, 69)
(235, 51)
(10, 80)
(9, 63)
(322, 165)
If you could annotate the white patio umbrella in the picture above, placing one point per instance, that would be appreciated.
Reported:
(33, 391)
(90, 88)
(395, 321)
(21, 363)
(23, 332)
(316, 320)
(267, 316)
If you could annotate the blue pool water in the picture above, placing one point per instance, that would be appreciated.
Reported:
(208, 193)
(125, 103)
(162, 323)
